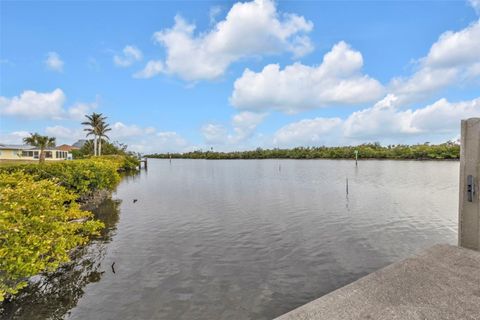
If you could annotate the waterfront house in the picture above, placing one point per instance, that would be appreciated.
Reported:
(27, 152)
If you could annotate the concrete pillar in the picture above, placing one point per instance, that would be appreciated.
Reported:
(469, 204)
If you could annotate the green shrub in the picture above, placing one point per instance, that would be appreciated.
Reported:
(123, 162)
(40, 222)
(81, 176)
(448, 150)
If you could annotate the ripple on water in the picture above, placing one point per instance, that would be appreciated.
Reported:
(244, 240)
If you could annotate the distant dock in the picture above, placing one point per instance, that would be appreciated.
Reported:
(144, 162)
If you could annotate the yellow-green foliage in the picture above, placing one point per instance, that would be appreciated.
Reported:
(40, 223)
(81, 176)
(40, 219)
(123, 162)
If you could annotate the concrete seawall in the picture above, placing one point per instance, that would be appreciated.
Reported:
(442, 282)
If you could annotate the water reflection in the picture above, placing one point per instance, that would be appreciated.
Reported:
(51, 296)
(249, 239)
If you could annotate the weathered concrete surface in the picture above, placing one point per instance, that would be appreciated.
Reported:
(442, 282)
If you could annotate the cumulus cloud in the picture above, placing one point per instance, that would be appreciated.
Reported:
(382, 122)
(153, 68)
(243, 125)
(130, 54)
(308, 132)
(453, 58)
(337, 80)
(32, 104)
(138, 138)
(384, 119)
(80, 109)
(54, 62)
(15, 137)
(121, 130)
(64, 134)
(43, 105)
(475, 4)
(250, 29)
(148, 139)
(213, 13)
(214, 134)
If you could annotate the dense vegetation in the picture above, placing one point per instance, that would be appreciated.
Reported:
(98, 127)
(108, 148)
(40, 219)
(425, 151)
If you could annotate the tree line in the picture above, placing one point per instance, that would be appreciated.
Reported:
(426, 151)
(96, 126)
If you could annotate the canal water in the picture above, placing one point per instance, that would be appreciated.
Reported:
(246, 239)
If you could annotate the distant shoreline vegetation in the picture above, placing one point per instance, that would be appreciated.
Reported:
(426, 151)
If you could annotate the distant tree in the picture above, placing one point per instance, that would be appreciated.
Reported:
(103, 128)
(94, 124)
(41, 142)
(108, 148)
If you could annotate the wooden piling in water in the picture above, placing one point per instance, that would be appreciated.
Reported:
(469, 204)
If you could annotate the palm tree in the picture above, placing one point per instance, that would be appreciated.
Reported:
(41, 142)
(103, 128)
(94, 122)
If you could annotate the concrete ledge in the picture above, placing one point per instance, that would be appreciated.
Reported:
(442, 282)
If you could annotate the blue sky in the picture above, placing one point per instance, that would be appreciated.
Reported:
(183, 75)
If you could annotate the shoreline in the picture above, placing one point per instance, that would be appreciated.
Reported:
(343, 159)
(93, 200)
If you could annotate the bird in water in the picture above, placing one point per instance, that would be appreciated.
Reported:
(135, 200)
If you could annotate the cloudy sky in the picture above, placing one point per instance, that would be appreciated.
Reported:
(183, 75)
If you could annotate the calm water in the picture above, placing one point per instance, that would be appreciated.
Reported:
(247, 239)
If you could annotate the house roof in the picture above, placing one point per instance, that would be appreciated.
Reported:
(15, 147)
(66, 147)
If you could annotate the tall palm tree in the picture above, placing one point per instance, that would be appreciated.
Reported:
(94, 122)
(103, 128)
(41, 142)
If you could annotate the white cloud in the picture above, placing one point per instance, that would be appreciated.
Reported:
(384, 122)
(37, 105)
(453, 58)
(167, 141)
(130, 54)
(15, 137)
(54, 62)
(384, 119)
(79, 110)
(214, 134)
(249, 29)
(148, 139)
(308, 132)
(138, 138)
(244, 125)
(338, 80)
(31, 104)
(153, 68)
(121, 130)
(64, 134)
(475, 4)
(213, 13)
